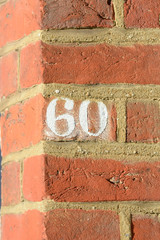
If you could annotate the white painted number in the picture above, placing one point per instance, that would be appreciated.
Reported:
(51, 117)
(83, 117)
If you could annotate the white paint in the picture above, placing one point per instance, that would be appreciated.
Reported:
(57, 91)
(51, 117)
(83, 117)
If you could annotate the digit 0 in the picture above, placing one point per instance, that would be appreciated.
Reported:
(83, 117)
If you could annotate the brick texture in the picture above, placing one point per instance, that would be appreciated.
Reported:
(22, 125)
(90, 180)
(142, 14)
(8, 74)
(11, 184)
(101, 64)
(145, 227)
(78, 14)
(79, 224)
(27, 226)
(91, 64)
(143, 122)
(61, 14)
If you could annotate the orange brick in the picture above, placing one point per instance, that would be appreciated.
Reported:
(31, 68)
(11, 184)
(22, 125)
(8, 74)
(19, 18)
(34, 178)
(143, 122)
(145, 227)
(27, 226)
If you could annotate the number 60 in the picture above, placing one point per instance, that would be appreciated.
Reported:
(83, 117)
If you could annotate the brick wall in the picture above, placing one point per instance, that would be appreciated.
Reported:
(80, 119)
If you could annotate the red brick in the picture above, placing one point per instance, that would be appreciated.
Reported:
(101, 180)
(91, 64)
(11, 184)
(145, 227)
(19, 18)
(22, 125)
(31, 70)
(143, 122)
(33, 178)
(94, 129)
(29, 226)
(101, 64)
(78, 14)
(80, 224)
(142, 14)
(8, 74)
(88, 180)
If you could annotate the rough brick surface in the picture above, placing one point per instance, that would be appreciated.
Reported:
(79, 224)
(19, 18)
(145, 227)
(91, 64)
(100, 180)
(101, 64)
(78, 14)
(34, 178)
(77, 180)
(8, 74)
(11, 184)
(143, 122)
(99, 127)
(29, 226)
(22, 125)
(142, 14)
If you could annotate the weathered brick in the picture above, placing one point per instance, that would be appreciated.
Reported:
(100, 118)
(145, 227)
(88, 180)
(11, 184)
(78, 14)
(101, 64)
(27, 226)
(22, 125)
(34, 178)
(8, 74)
(143, 122)
(19, 18)
(91, 64)
(80, 224)
(142, 14)
(101, 180)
